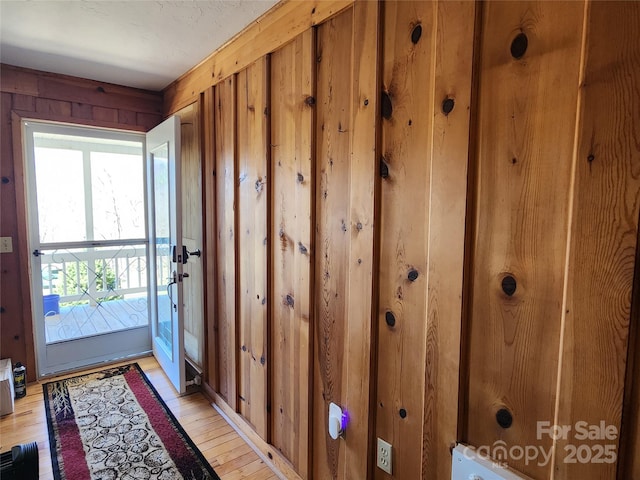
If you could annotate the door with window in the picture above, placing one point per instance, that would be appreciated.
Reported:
(89, 240)
(167, 256)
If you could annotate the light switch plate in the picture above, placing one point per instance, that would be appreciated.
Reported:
(6, 245)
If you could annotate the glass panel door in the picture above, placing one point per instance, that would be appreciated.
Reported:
(88, 238)
(167, 318)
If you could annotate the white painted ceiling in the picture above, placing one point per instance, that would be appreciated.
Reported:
(138, 43)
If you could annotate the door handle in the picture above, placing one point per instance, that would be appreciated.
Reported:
(185, 254)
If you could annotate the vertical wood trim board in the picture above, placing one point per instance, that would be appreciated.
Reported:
(346, 57)
(427, 61)
(333, 73)
(454, 38)
(361, 229)
(404, 217)
(225, 192)
(604, 235)
(209, 241)
(252, 141)
(292, 180)
(526, 124)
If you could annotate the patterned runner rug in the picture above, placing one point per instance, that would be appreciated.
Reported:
(113, 425)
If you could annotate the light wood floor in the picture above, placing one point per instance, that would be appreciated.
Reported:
(231, 457)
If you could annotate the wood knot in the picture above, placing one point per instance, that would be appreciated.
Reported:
(413, 275)
(310, 101)
(384, 168)
(288, 300)
(386, 107)
(416, 33)
(447, 105)
(302, 248)
(519, 46)
(509, 285)
(300, 178)
(390, 318)
(504, 418)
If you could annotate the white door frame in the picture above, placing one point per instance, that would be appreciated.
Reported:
(67, 355)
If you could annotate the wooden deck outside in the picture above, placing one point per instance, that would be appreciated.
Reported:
(76, 321)
(227, 452)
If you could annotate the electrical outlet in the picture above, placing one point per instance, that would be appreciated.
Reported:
(384, 456)
(6, 245)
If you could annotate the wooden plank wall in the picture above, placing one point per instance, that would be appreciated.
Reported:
(225, 197)
(293, 181)
(47, 96)
(253, 207)
(604, 235)
(332, 232)
(422, 212)
(555, 227)
(339, 207)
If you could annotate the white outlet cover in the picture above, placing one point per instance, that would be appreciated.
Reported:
(468, 464)
(6, 245)
(384, 456)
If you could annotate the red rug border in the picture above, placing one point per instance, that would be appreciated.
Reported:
(53, 436)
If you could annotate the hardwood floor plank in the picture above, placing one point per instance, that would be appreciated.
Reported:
(221, 445)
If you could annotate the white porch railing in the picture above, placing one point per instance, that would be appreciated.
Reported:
(94, 274)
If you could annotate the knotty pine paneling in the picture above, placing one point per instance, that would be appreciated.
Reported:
(528, 122)
(47, 96)
(332, 230)
(253, 241)
(359, 356)
(525, 132)
(347, 94)
(604, 233)
(291, 303)
(449, 166)
(408, 57)
(422, 213)
(226, 194)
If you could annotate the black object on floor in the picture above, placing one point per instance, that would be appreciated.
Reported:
(21, 463)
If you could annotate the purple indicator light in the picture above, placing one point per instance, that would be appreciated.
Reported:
(345, 419)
